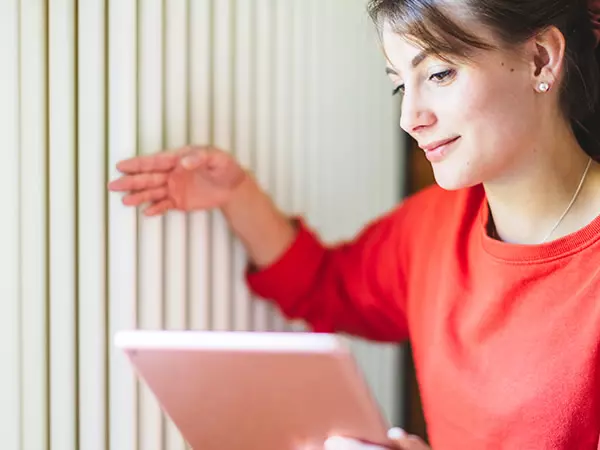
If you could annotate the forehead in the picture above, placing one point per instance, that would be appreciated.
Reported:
(398, 51)
(404, 55)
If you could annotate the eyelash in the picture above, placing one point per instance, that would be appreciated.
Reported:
(442, 75)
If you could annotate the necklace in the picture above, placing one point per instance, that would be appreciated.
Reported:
(572, 201)
(494, 234)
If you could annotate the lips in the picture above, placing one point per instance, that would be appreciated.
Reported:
(435, 145)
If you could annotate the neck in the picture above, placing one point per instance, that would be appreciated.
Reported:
(526, 204)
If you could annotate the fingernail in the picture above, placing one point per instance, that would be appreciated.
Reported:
(338, 443)
(396, 433)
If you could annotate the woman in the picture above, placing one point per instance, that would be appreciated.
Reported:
(494, 275)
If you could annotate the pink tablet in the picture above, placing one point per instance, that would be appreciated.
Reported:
(256, 390)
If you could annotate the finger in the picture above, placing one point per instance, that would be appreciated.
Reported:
(342, 443)
(411, 443)
(404, 441)
(149, 195)
(138, 182)
(159, 162)
(159, 208)
(396, 434)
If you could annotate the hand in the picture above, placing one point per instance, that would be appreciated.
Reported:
(399, 441)
(189, 179)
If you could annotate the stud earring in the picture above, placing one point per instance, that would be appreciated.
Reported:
(544, 86)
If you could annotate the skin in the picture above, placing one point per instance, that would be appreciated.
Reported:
(522, 149)
(204, 178)
(512, 139)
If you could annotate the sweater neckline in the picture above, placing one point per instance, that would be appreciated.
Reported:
(522, 253)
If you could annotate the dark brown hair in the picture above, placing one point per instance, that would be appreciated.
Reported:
(513, 22)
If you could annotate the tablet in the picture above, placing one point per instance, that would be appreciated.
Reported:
(256, 390)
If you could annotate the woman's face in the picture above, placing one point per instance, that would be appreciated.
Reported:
(486, 108)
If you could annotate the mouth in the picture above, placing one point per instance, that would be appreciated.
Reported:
(436, 151)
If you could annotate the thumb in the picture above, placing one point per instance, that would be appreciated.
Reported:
(397, 434)
(404, 441)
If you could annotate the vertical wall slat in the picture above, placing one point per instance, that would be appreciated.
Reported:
(200, 125)
(122, 249)
(151, 231)
(361, 130)
(331, 175)
(314, 118)
(343, 45)
(92, 230)
(10, 339)
(62, 202)
(243, 145)
(281, 170)
(264, 92)
(263, 311)
(176, 132)
(299, 116)
(34, 225)
(175, 65)
(223, 138)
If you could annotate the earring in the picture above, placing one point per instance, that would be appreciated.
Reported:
(544, 86)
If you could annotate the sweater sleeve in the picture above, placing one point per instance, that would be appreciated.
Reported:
(355, 287)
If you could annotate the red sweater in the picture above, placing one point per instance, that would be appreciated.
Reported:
(506, 338)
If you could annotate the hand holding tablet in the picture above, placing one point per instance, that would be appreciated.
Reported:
(398, 437)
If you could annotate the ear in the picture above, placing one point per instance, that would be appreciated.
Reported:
(546, 57)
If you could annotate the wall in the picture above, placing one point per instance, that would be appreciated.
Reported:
(295, 89)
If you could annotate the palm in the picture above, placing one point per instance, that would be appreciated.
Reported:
(163, 181)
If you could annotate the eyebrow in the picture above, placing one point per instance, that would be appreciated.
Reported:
(415, 62)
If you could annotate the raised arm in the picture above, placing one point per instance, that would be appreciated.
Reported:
(355, 287)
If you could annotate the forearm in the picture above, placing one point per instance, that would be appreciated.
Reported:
(263, 229)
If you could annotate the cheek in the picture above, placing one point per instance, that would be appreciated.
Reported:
(493, 112)
(494, 119)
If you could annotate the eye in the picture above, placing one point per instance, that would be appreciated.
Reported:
(399, 89)
(441, 77)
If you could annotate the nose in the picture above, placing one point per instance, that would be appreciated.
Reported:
(415, 116)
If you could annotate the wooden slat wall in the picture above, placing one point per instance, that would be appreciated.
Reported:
(10, 258)
(295, 89)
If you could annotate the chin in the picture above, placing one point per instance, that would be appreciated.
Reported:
(453, 180)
